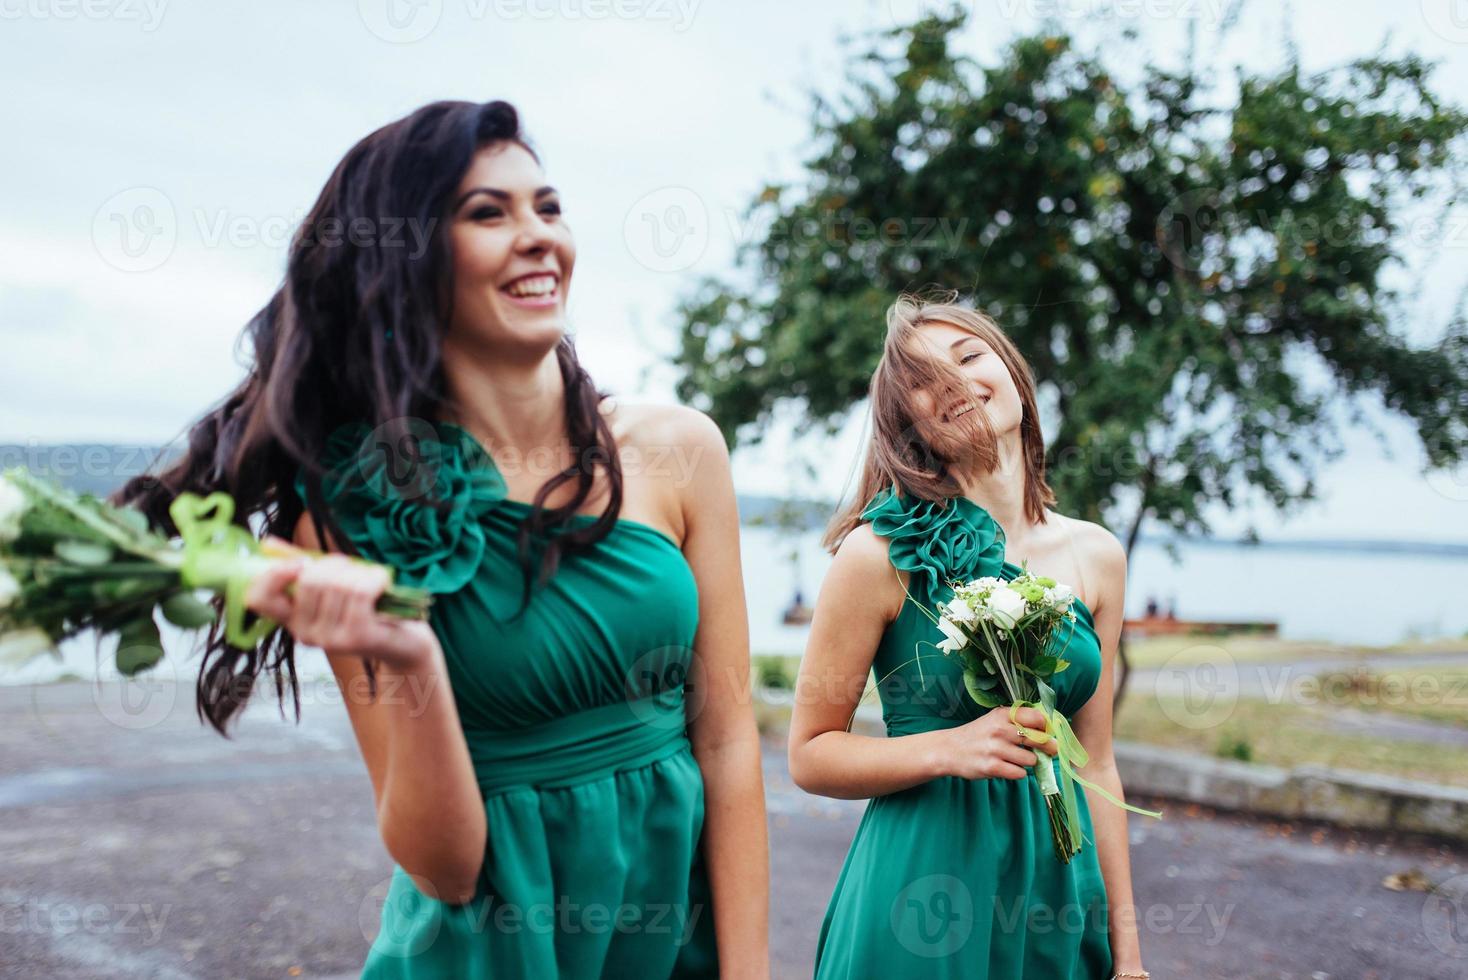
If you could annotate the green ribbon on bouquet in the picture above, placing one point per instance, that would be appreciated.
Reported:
(223, 557)
(1071, 755)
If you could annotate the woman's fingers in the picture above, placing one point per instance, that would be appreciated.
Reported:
(1017, 754)
(1037, 741)
(268, 595)
(1030, 718)
(278, 547)
(308, 603)
(1008, 770)
(330, 601)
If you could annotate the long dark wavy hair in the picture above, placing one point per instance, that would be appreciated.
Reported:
(355, 334)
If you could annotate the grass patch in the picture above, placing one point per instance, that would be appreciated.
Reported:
(1180, 651)
(1434, 694)
(1286, 735)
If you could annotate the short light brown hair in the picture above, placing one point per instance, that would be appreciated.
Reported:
(905, 447)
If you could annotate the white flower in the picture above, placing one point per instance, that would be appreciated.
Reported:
(953, 638)
(1006, 606)
(959, 611)
(9, 588)
(12, 505)
(1060, 595)
(22, 645)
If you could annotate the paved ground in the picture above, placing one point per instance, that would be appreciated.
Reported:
(133, 843)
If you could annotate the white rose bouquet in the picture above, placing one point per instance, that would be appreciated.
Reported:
(72, 562)
(1002, 633)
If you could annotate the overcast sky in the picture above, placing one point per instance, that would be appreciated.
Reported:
(216, 124)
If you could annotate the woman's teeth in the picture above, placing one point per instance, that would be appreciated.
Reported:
(537, 286)
(969, 407)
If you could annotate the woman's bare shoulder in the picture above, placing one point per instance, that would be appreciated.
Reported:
(650, 427)
(1104, 557)
(862, 567)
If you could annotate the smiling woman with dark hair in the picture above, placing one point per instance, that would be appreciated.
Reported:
(573, 788)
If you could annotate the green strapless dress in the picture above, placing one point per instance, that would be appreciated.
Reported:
(956, 878)
(574, 717)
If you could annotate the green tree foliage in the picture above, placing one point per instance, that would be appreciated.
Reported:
(1195, 282)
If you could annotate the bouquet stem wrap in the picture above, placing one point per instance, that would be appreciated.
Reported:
(1069, 756)
(223, 557)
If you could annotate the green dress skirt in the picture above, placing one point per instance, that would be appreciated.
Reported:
(956, 878)
(573, 712)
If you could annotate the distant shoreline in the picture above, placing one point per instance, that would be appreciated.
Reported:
(100, 468)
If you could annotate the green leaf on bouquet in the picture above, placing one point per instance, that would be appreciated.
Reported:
(976, 692)
(1061, 665)
(1044, 665)
(90, 553)
(114, 589)
(183, 609)
(139, 646)
(133, 520)
(1047, 696)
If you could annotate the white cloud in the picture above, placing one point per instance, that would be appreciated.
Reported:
(241, 112)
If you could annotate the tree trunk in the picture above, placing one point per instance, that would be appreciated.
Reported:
(1123, 664)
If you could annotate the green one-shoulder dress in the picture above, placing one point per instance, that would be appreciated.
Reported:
(573, 712)
(957, 878)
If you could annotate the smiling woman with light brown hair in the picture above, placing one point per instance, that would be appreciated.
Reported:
(951, 873)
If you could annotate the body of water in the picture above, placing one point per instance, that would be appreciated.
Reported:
(1335, 596)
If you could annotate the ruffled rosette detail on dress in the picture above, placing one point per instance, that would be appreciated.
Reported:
(384, 501)
(937, 543)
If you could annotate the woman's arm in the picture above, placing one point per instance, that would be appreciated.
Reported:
(1092, 724)
(721, 718)
(859, 598)
(429, 811)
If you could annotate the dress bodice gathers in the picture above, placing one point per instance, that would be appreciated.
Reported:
(956, 878)
(572, 707)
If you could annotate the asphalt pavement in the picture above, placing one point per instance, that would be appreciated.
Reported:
(136, 843)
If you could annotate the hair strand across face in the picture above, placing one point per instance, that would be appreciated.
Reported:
(910, 447)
